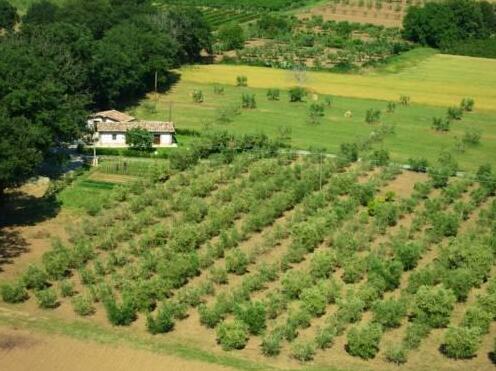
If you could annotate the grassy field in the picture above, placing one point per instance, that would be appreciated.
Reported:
(414, 136)
(441, 80)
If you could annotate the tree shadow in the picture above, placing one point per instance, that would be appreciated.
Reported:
(20, 209)
(492, 357)
(166, 84)
(12, 245)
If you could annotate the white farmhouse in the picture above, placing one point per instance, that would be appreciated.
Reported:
(113, 134)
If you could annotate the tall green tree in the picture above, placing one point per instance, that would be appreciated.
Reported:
(8, 15)
(41, 12)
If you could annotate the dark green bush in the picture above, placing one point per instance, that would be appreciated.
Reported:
(322, 264)
(364, 341)
(14, 292)
(408, 253)
(35, 278)
(390, 312)
(120, 314)
(163, 322)
(232, 335)
(253, 315)
(461, 342)
(57, 262)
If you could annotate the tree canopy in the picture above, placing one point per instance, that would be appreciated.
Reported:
(441, 24)
(68, 59)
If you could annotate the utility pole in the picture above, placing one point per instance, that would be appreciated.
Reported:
(320, 167)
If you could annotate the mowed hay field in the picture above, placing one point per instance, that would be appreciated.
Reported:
(440, 80)
(430, 93)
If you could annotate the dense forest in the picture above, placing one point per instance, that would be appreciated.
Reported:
(460, 26)
(57, 63)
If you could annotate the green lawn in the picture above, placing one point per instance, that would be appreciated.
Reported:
(414, 136)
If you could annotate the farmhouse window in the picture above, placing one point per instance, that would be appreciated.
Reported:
(114, 136)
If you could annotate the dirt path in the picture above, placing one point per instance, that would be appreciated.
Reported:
(23, 350)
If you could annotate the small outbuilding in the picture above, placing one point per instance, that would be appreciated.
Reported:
(113, 134)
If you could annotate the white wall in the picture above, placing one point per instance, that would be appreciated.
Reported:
(165, 139)
(108, 139)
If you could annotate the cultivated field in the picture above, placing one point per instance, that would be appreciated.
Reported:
(280, 256)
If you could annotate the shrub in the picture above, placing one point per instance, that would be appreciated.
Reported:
(350, 309)
(197, 96)
(461, 342)
(219, 90)
(441, 124)
(467, 104)
(396, 354)
(372, 116)
(232, 335)
(14, 292)
(271, 344)
(389, 313)
(454, 113)
(275, 304)
(460, 281)
(408, 254)
(415, 332)
(296, 94)
(433, 306)
(241, 81)
(253, 315)
(325, 337)
(273, 94)
(248, 101)
(120, 315)
(219, 275)
(419, 165)
(322, 264)
(315, 113)
(477, 317)
(67, 288)
(57, 262)
(404, 100)
(293, 283)
(237, 262)
(83, 305)
(47, 298)
(35, 278)
(472, 136)
(162, 323)
(210, 317)
(314, 301)
(380, 157)
(303, 351)
(364, 341)
(391, 107)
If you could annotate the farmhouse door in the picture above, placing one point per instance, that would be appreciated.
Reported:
(156, 139)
